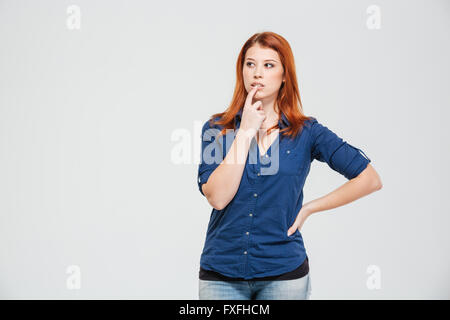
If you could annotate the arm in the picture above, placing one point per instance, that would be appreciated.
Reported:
(346, 159)
(223, 183)
(365, 183)
(224, 179)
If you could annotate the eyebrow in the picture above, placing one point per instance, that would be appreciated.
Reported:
(264, 60)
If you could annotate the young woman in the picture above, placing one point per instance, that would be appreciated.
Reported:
(255, 159)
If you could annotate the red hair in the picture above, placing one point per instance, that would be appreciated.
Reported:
(288, 99)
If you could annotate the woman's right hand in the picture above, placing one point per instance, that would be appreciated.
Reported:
(252, 115)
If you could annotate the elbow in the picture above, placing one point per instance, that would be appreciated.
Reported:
(372, 177)
(217, 204)
(377, 184)
(371, 183)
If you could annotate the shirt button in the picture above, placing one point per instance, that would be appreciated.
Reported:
(247, 233)
(259, 174)
(250, 214)
(289, 151)
(245, 252)
(255, 195)
(267, 155)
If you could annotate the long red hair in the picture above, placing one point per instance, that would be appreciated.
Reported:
(288, 99)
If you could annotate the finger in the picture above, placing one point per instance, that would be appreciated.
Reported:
(250, 95)
(292, 229)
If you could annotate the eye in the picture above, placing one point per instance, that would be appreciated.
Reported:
(265, 64)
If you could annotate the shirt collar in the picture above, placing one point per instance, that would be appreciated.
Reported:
(282, 123)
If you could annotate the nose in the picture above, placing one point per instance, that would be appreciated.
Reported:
(258, 72)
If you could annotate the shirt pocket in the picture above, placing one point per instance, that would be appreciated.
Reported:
(292, 161)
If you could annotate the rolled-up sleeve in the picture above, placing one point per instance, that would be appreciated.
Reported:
(211, 153)
(340, 156)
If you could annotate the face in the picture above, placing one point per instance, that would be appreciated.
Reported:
(263, 65)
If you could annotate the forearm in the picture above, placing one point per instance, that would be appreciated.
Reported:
(364, 184)
(223, 183)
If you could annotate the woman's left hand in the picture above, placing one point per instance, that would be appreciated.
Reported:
(301, 217)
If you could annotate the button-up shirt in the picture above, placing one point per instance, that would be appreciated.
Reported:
(248, 238)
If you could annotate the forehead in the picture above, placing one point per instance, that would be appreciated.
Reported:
(259, 53)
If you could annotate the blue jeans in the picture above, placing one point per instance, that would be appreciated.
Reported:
(297, 289)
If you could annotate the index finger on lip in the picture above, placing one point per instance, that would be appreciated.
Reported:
(251, 94)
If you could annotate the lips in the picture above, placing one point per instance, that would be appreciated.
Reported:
(257, 83)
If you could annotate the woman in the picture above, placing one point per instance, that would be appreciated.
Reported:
(255, 159)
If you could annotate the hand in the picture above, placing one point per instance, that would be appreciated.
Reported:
(301, 217)
(253, 114)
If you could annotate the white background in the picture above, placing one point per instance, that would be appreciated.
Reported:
(89, 174)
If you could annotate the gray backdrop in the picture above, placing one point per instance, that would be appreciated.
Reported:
(101, 103)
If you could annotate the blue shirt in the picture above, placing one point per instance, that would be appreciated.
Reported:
(248, 238)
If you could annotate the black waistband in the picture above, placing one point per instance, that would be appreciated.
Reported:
(297, 273)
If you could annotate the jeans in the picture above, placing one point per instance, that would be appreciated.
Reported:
(297, 289)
